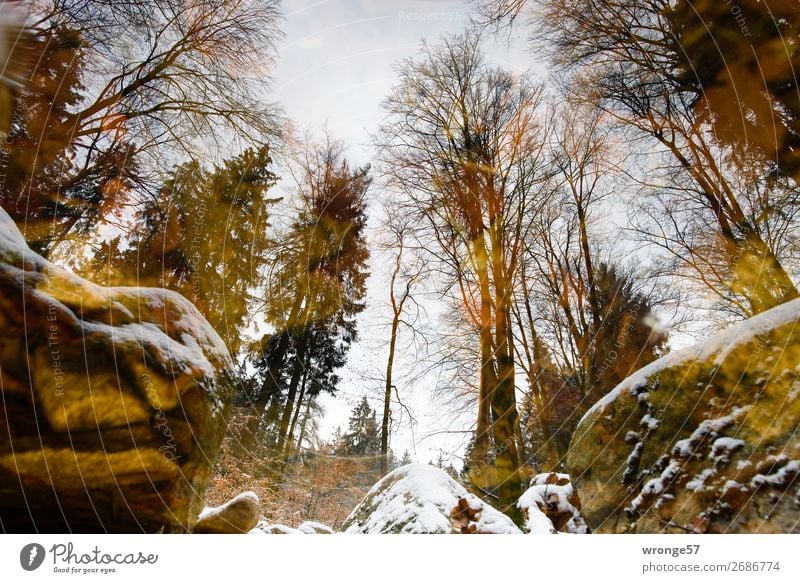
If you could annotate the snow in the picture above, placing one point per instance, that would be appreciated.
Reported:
(308, 527)
(731, 485)
(544, 494)
(418, 498)
(686, 448)
(656, 486)
(723, 446)
(10, 237)
(265, 528)
(632, 463)
(311, 527)
(212, 511)
(781, 478)
(698, 483)
(635, 456)
(649, 422)
(716, 347)
(632, 437)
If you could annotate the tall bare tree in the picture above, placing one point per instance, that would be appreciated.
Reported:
(406, 272)
(628, 58)
(464, 143)
(581, 315)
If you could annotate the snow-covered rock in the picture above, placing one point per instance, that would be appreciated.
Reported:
(113, 400)
(702, 440)
(238, 515)
(311, 527)
(263, 527)
(550, 505)
(422, 499)
(308, 527)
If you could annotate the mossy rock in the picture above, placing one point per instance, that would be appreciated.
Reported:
(112, 401)
(703, 440)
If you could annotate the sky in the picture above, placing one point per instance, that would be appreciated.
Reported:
(336, 61)
(336, 65)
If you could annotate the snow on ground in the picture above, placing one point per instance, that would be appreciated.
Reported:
(420, 499)
(311, 527)
(308, 527)
(263, 527)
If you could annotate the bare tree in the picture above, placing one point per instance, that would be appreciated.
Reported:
(139, 85)
(464, 143)
(626, 57)
(581, 314)
(406, 272)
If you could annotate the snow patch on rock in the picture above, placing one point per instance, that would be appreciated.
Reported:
(550, 506)
(422, 499)
(716, 347)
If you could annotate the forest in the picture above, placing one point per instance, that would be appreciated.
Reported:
(520, 242)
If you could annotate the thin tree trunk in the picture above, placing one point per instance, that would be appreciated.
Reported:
(593, 329)
(274, 368)
(306, 414)
(505, 427)
(387, 395)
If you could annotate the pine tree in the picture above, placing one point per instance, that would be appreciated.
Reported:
(362, 437)
(205, 236)
(626, 340)
(317, 288)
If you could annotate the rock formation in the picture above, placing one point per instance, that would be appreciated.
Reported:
(550, 505)
(422, 499)
(703, 440)
(237, 516)
(113, 401)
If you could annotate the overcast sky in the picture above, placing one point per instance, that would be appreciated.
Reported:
(336, 66)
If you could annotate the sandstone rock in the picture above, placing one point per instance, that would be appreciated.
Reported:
(550, 505)
(113, 401)
(238, 515)
(702, 440)
(422, 499)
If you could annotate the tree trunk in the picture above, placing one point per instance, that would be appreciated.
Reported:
(593, 330)
(290, 437)
(387, 396)
(269, 388)
(480, 470)
(274, 368)
(297, 371)
(306, 414)
(505, 427)
(760, 276)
